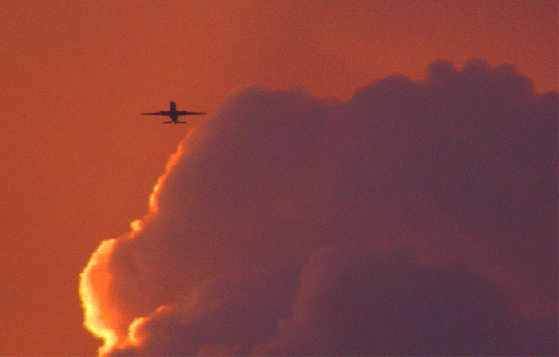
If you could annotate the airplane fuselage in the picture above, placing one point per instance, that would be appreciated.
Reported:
(171, 114)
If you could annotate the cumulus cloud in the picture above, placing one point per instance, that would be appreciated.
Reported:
(420, 217)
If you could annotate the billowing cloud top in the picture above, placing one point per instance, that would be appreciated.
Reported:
(420, 217)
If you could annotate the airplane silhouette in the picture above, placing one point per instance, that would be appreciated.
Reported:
(173, 114)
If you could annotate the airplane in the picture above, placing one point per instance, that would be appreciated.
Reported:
(174, 114)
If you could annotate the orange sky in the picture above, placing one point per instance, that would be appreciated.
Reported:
(79, 162)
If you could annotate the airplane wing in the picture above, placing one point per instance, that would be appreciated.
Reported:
(156, 113)
(189, 113)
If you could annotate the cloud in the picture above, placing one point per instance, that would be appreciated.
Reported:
(420, 217)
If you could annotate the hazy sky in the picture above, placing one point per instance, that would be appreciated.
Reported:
(79, 163)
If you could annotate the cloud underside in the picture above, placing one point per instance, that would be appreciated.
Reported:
(420, 217)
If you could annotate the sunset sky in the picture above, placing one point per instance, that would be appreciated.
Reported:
(79, 162)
